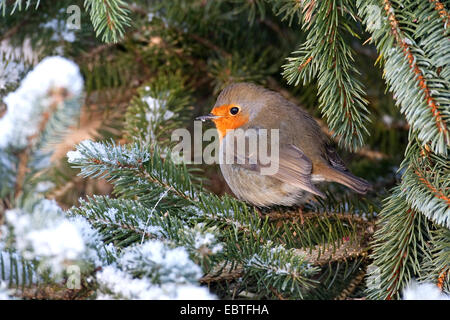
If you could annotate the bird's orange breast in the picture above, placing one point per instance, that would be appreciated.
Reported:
(226, 121)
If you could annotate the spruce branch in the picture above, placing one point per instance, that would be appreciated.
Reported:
(403, 43)
(439, 7)
(354, 283)
(399, 243)
(132, 165)
(341, 95)
(435, 267)
(428, 192)
(222, 272)
(423, 101)
(109, 18)
(345, 251)
(62, 114)
(292, 276)
(18, 5)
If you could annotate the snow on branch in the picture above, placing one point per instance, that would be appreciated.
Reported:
(48, 236)
(152, 270)
(33, 99)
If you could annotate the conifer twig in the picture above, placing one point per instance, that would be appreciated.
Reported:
(58, 95)
(353, 285)
(395, 30)
(225, 275)
(321, 256)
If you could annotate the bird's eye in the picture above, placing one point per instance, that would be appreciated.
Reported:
(234, 110)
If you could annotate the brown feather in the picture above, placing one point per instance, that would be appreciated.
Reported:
(343, 177)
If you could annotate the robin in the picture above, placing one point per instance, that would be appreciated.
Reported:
(305, 157)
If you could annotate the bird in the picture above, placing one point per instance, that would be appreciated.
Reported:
(305, 159)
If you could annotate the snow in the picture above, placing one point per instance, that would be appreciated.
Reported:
(44, 186)
(204, 240)
(407, 41)
(156, 112)
(149, 271)
(62, 241)
(117, 284)
(117, 216)
(423, 291)
(13, 61)
(122, 285)
(161, 196)
(74, 156)
(30, 100)
(154, 257)
(191, 292)
(5, 293)
(155, 106)
(95, 252)
(48, 235)
(60, 30)
(9, 73)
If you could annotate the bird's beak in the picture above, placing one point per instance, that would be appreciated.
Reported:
(209, 116)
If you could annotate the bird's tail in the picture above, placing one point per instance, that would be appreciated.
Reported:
(346, 178)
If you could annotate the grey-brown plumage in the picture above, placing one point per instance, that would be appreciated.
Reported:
(305, 157)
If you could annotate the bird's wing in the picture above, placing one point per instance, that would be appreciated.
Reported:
(295, 168)
(334, 159)
(291, 165)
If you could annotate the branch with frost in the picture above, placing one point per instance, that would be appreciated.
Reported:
(14, 60)
(132, 169)
(152, 270)
(30, 104)
(276, 267)
(45, 235)
(178, 211)
(126, 222)
(14, 268)
(38, 114)
(159, 107)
